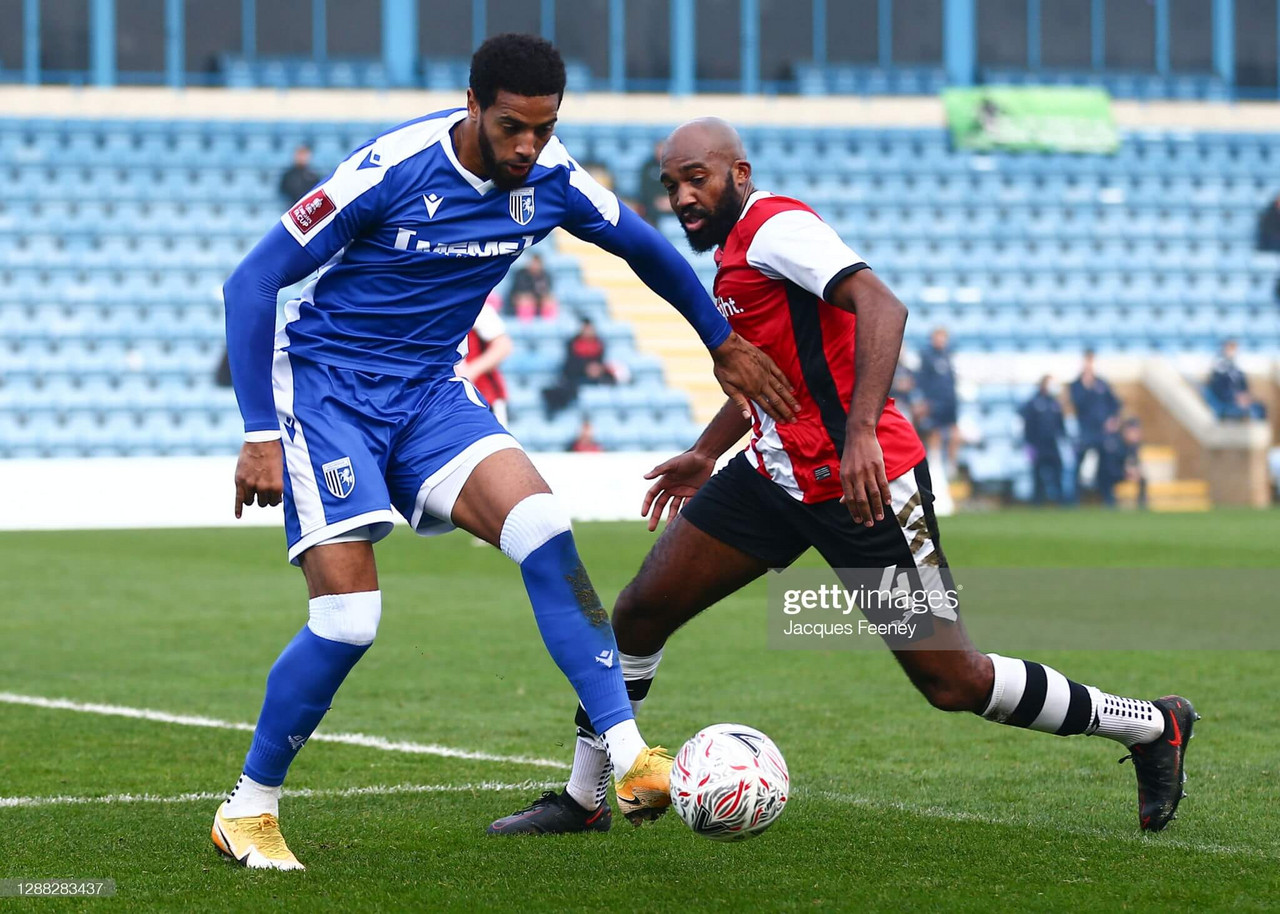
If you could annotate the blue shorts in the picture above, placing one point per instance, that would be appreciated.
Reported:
(357, 445)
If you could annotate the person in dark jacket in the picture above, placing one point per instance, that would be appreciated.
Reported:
(584, 363)
(1043, 429)
(1095, 404)
(1229, 388)
(1269, 227)
(299, 178)
(936, 381)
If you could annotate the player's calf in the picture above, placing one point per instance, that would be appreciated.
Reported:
(300, 688)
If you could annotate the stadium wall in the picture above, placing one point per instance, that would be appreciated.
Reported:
(108, 493)
(584, 107)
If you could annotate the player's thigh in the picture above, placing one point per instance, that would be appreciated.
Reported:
(333, 455)
(342, 566)
(686, 571)
(899, 555)
(446, 468)
(496, 485)
(730, 533)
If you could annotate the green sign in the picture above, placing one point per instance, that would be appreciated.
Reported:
(1049, 119)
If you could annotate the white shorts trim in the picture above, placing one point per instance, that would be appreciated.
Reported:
(380, 523)
(439, 492)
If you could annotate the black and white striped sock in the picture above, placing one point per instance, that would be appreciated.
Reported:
(589, 779)
(1032, 695)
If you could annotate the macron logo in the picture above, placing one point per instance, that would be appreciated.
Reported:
(433, 202)
(372, 160)
(606, 658)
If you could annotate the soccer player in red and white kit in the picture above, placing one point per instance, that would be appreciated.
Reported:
(488, 345)
(848, 478)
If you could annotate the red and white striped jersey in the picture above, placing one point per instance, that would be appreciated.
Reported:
(488, 327)
(776, 270)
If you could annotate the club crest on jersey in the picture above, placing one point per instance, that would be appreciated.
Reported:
(521, 205)
(339, 477)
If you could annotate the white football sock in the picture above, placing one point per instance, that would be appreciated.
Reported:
(625, 744)
(589, 780)
(249, 798)
(638, 672)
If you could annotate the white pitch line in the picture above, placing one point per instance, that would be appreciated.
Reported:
(960, 815)
(350, 739)
(289, 793)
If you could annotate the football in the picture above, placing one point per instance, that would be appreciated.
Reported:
(729, 782)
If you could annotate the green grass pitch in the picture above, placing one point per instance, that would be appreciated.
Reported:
(894, 806)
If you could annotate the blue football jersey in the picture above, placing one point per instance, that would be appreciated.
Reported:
(409, 243)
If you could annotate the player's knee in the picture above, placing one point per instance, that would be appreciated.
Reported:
(959, 686)
(351, 618)
(637, 625)
(531, 524)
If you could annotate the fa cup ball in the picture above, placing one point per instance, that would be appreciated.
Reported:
(729, 782)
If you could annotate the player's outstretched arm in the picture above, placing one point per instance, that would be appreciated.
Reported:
(744, 372)
(250, 297)
(881, 321)
(680, 477)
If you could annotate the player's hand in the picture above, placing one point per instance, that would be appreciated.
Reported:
(259, 474)
(745, 373)
(866, 490)
(678, 479)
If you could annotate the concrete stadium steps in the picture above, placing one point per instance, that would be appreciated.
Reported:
(1165, 492)
(659, 329)
(1177, 495)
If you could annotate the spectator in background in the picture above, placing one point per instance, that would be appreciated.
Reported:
(1269, 226)
(1044, 430)
(1094, 404)
(1269, 232)
(906, 396)
(585, 442)
(488, 345)
(299, 177)
(1131, 437)
(584, 363)
(936, 381)
(531, 292)
(653, 202)
(1229, 388)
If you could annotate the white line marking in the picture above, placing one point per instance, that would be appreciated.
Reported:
(350, 739)
(205, 796)
(1041, 823)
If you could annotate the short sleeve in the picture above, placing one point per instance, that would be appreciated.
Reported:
(796, 245)
(490, 325)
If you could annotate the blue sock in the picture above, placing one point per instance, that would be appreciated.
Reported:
(576, 630)
(300, 687)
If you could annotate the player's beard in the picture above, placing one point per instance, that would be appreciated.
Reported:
(718, 223)
(497, 174)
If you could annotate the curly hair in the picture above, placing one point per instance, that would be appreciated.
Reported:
(523, 64)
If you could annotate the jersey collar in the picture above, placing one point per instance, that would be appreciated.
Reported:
(751, 201)
(481, 185)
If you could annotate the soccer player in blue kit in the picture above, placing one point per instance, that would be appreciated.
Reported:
(355, 408)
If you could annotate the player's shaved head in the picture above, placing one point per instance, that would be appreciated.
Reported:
(710, 139)
(707, 177)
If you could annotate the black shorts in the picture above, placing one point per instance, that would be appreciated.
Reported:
(753, 514)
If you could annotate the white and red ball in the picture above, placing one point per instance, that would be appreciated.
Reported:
(729, 782)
